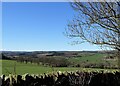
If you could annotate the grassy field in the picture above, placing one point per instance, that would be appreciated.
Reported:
(8, 66)
(13, 67)
(93, 58)
(90, 58)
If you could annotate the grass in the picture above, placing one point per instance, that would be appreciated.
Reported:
(8, 67)
(95, 58)
(22, 68)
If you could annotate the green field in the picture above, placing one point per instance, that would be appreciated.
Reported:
(8, 66)
(91, 58)
(13, 67)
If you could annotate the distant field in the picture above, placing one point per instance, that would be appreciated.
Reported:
(10, 66)
(93, 58)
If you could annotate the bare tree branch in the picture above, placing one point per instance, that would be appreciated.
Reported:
(97, 23)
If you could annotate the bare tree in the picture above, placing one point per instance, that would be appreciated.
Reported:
(97, 23)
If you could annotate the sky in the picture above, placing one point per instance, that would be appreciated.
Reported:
(38, 26)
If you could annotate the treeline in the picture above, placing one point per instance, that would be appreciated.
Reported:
(58, 61)
(46, 61)
(54, 60)
(64, 62)
(64, 79)
(102, 65)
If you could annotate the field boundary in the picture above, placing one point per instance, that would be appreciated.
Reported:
(64, 79)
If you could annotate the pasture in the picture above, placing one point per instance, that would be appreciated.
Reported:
(13, 67)
(96, 58)
(9, 66)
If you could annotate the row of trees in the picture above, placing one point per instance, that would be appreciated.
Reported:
(64, 62)
(46, 61)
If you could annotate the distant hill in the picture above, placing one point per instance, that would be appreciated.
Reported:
(46, 53)
(4, 57)
(34, 54)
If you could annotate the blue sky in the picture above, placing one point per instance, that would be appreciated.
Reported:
(38, 26)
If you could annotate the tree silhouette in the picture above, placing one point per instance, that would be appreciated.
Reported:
(97, 23)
